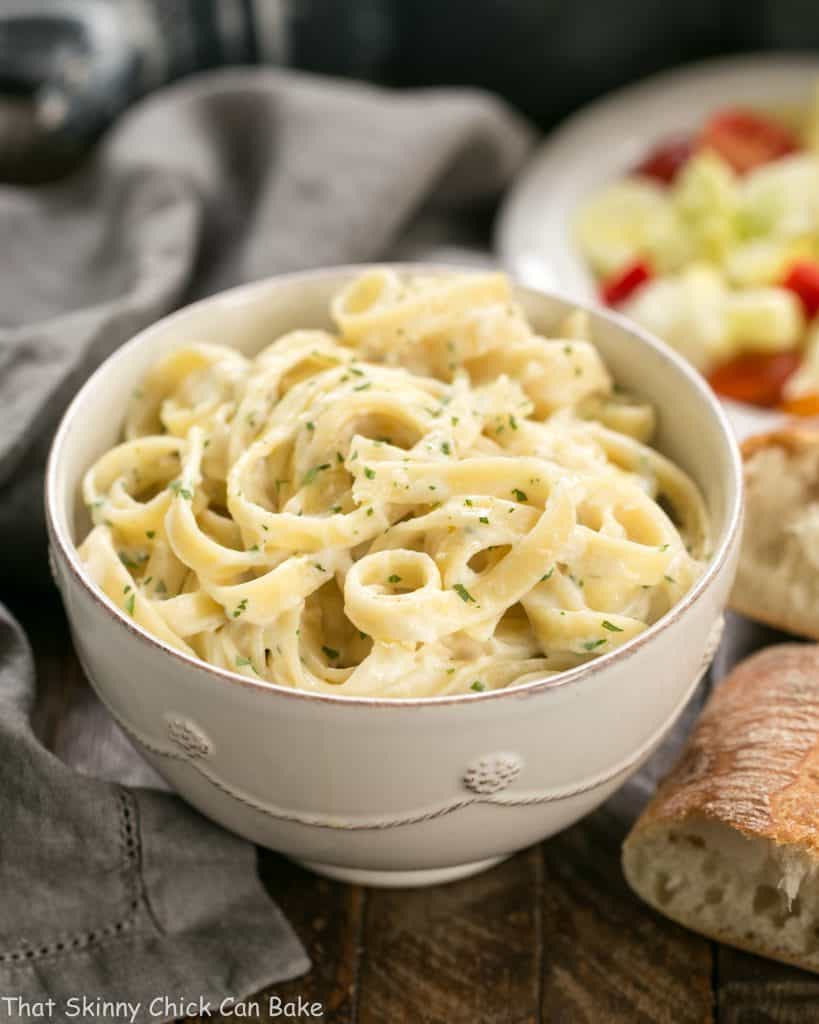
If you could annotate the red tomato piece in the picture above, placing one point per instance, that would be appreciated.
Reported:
(803, 278)
(805, 405)
(747, 139)
(756, 378)
(624, 282)
(664, 162)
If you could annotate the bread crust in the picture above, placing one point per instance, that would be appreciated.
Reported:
(752, 764)
(752, 761)
(794, 438)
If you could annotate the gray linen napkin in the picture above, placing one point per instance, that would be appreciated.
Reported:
(122, 892)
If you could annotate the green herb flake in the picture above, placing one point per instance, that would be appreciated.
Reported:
(160, 588)
(365, 386)
(468, 502)
(240, 607)
(446, 448)
(339, 458)
(393, 579)
(150, 534)
(330, 652)
(513, 423)
(310, 425)
(311, 474)
(669, 579)
(369, 473)
(610, 626)
(179, 490)
(519, 494)
(591, 645)
(547, 575)
(478, 686)
(463, 593)
(129, 604)
(242, 662)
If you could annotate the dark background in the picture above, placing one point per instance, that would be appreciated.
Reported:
(67, 67)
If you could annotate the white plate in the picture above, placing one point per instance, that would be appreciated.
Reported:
(603, 141)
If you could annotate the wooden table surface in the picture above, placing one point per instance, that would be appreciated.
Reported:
(552, 934)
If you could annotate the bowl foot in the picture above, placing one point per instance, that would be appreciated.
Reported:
(401, 879)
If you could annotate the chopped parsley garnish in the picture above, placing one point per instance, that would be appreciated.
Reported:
(329, 651)
(356, 371)
(150, 534)
(240, 607)
(463, 593)
(364, 386)
(319, 566)
(370, 510)
(590, 645)
(393, 579)
(478, 686)
(241, 662)
(547, 575)
(513, 423)
(468, 502)
(339, 458)
(665, 547)
(669, 579)
(483, 519)
(310, 425)
(369, 473)
(311, 474)
(129, 604)
(255, 547)
(179, 490)
(446, 449)
(610, 626)
(519, 494)
(160, 588)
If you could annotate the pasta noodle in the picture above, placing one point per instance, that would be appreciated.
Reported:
(434, 500)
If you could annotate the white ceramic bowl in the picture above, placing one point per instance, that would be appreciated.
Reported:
(395, 792)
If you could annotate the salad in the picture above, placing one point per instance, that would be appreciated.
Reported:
(712, 242)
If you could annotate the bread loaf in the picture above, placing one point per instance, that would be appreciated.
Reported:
(729, 846)
(778, 576)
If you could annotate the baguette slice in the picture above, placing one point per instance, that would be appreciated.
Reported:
(778, 576)
(729, 846)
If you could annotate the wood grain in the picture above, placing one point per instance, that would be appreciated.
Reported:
(464, 953)
(606, 956)
(751, 990)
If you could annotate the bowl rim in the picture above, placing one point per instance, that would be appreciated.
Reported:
(59, 535)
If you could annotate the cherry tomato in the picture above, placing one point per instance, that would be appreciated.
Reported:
(664, 162)
(756, 378)
(803, 278)
(624, 282)
(805, 405)
(747, 139)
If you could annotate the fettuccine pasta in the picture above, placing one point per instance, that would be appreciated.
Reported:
(433, 500)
